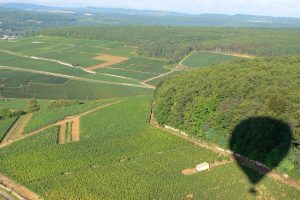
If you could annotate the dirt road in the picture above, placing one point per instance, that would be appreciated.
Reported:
(75, 77)
(240, 159)
(68, 119)
(23, 191)
(19, 189)
(5, 196)
(76, 129)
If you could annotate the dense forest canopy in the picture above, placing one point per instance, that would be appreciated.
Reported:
(209, 103)
(176, 42)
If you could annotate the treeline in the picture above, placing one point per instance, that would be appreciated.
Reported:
(211, 102)
(25, 22)
(175, 43)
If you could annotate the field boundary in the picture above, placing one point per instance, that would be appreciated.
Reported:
(215, 52)
(67, 119)
(18, 190)
(161, 75)
(45, 59)
(175, 69)
(5, 134)
(73, 77)
(242, 160)
(16, 128)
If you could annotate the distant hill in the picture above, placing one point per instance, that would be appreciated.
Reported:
(26, 6)
(149, 17)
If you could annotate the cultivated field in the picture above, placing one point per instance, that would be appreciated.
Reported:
(104, 146)
(30, 66)
(120, 155)
(205, 59)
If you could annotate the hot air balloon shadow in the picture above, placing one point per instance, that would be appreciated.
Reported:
(262, 139)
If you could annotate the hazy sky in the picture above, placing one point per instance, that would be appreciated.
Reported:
(288, 8)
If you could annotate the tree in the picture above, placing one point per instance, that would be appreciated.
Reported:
(33, 106)
(1, 89)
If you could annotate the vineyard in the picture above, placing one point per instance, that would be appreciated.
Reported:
(120, 155)
(205, 59)
(49, 115)
(118, 112)
(29, 66)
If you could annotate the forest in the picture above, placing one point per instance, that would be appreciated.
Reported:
(174, 43)
(210, 103)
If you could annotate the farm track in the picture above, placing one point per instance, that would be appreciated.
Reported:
(128, 70)
(17, 128)
(77, 78)
(19, 189)
(5, 196)
(76, 129)
(162, 75)
(45, 59)
(23, 191)
(238, 159)
(68, 119)
(110, 60)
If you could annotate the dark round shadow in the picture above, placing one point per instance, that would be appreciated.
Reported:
(253, 191)
(261, 139)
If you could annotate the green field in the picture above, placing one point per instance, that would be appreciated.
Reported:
(121, 156)
(75, 90)
(205, 59)
(73, 51)
(140, 75)
(144, 65)
(5, 126)
(47, 115)
(32, 79)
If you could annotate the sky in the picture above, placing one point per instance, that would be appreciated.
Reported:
(278, 8)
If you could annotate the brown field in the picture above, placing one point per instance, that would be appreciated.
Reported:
(109, 60)
(62, 133)
(188, 172)
(76, 129)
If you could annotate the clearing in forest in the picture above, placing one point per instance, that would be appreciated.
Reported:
(205, 59)
(109, 60)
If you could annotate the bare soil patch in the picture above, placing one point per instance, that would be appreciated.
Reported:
(76, 129)
(109, 60)
(69, 119)
(61, 138)
(188, 172)
(189, 196)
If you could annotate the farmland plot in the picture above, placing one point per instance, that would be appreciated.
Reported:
(120, 156)
(204, 59)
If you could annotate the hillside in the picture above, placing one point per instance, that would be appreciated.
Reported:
(121, 156)
(174, 43)
(211, 102)
(151, 17)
